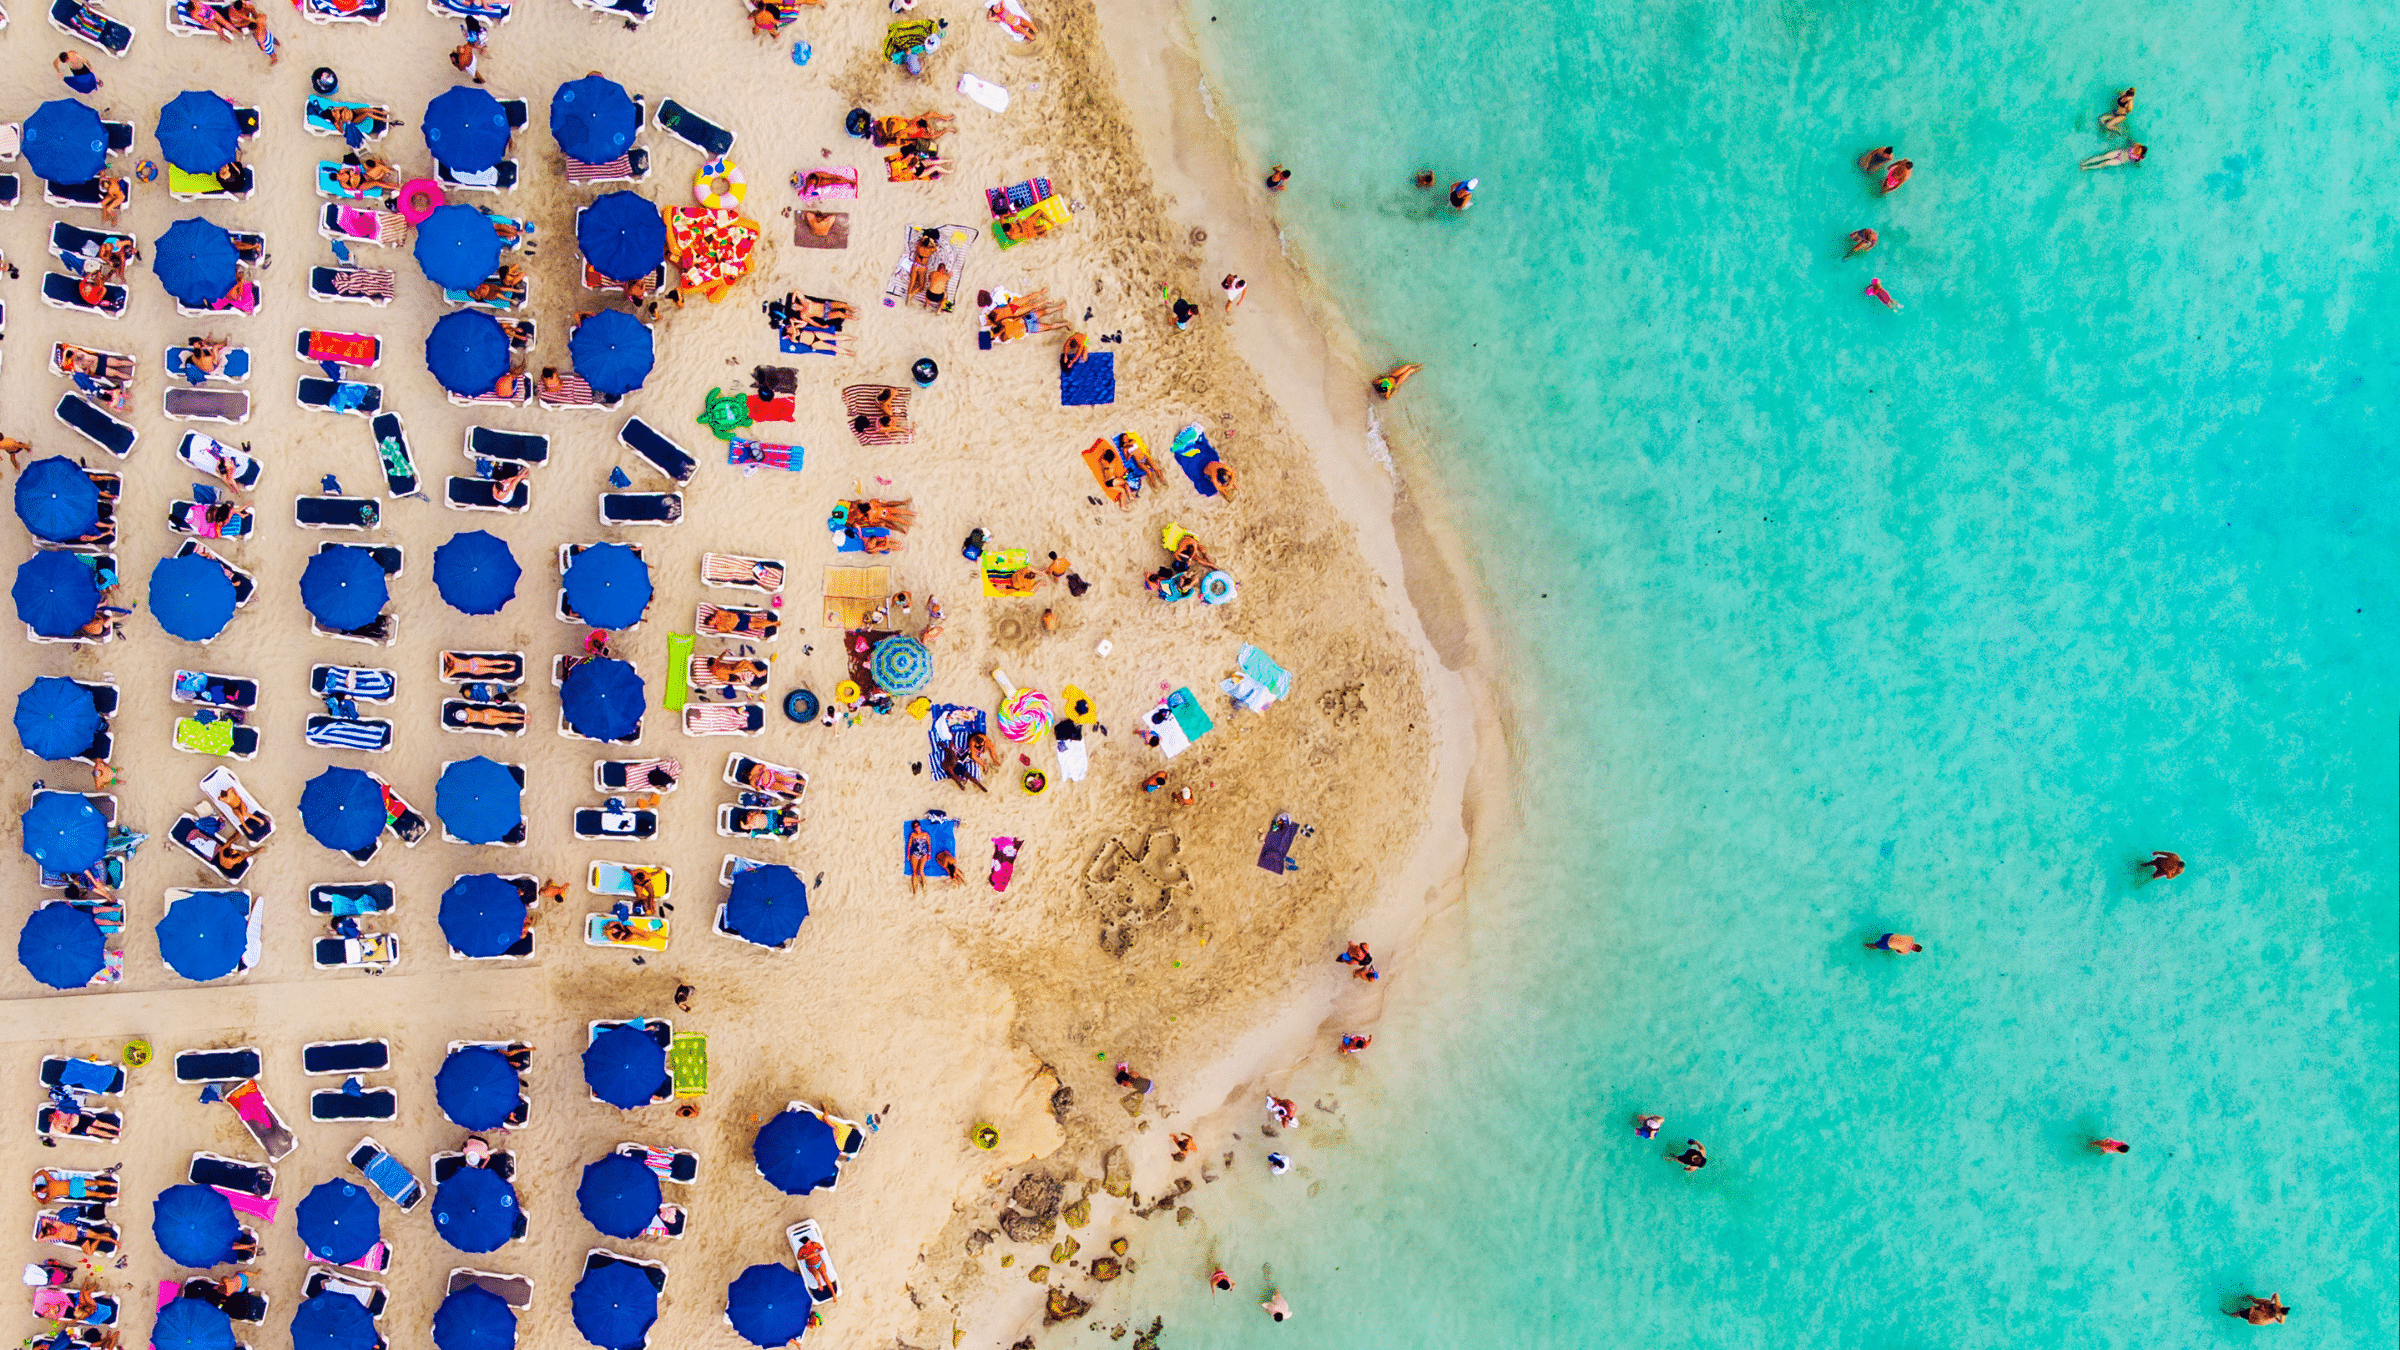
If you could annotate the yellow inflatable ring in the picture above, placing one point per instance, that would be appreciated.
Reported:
(847, 692)
(721, 183)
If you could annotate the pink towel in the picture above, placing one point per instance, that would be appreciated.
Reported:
(250, 1204)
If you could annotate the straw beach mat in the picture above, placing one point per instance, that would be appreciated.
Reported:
(852, 593)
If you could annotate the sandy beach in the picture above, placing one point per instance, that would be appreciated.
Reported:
(1134, 929)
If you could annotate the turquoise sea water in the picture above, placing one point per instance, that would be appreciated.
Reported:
(1821, 621)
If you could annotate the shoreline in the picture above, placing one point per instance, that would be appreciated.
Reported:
(1303, 353)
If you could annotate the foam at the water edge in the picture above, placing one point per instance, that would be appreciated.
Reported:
(1824, 621)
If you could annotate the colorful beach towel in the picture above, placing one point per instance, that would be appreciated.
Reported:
(1000, 566)
(344, 349)
(828, 183)
(387, 229)
(942, 831)
(949, 264)
(1193, 454)
(947, 730)
(763, 455)
(1177, 721)
(1016, 196)
(616, 170)
(1090, 382)
(371, 283)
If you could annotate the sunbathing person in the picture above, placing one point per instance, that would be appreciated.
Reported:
(949, 866)
(205, 356)
(817, 341)
(960, 769)
(74, 360)
(1221, 474)
(509, 281)
(813, 310)
(1076, 349)
(456, 665)
(768, 779)
(920, 259)
(61, 1232)
(511, 718)
(51, 1187)
(735, 670)
(904, 167)
(231, 855)
(920, 852)
(980, 747)
(755, 820)
(925, 126)
(819, 223)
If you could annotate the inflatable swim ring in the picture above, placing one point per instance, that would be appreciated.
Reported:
(720, 184)
(985, 1137)
(800, 705)
(846, 692)
(418, 199)
(1216, 588)
(135, 1054)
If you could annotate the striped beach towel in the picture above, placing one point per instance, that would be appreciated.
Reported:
(370, 282)
(343, 733)
(519, 390)
(385, 228)
(866, 400)
(949, 729)
(637, 773)
(735, 570)
(724, 719)
(755, 623)
(360, 681)
(702, 677)
(573, 392)
(615, 170)
(761, 454)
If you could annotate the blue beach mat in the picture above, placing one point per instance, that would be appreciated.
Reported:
(944, 831)
(1091, 383)
(1193, 455)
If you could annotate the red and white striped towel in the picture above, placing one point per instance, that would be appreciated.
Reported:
(573, 392)
(862, 400)
(616, 169)
(373, 283)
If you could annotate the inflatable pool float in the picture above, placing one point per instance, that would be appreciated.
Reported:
(800, 705)
(1024, 713)
(919, 707)
(985, 1137)
(1216, 588)
(135, 1054)
(847, 692)
(419, 197)
(721, 184)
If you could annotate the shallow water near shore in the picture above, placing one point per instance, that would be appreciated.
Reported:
(1820, 621)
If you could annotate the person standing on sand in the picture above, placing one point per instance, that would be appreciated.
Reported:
(1233, 286)
(1900, 943)
(14, 448)
(76, 72)
(1280, 1310)
(1861, 241)
(2162, 865)
(1277, 177)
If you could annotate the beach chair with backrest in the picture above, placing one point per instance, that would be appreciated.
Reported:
(217, 1066)
(231, 1174)
(325, 1280)
(329, 1057)
(96, 424)
(398, 461)
(336, 1104)
(386, 1173)
(657, 450)
(514, 1290)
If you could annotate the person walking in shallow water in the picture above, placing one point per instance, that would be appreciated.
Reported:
(2258, 1312)
(1861, 241)
(1874, 160)
(2162, 865)
(1694, 1155)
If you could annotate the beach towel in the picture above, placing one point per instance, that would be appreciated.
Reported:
(213, 737)
(615, 170)
(771, 409)
(760, 454)
(836, 236)
(385, 228)
(736, 570)
(245, 1203)
(1193, 455)
(348, 733)
(1260, 681)
(944, 833)
(373, 283)
(949, 255)
(573, 392)
(1072, 757)
(865, 400)
(1011, 15)
(1016, 196)
(1177, 721)
(999, 566)
(855, 538)
(1275, 854)
(852, 593)
(828, 182)
(344, 349)
(1090, 382)
(703, 719)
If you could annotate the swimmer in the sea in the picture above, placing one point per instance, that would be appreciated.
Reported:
(1900, 943)
(1875, 288)
(1389, 382)
(1874, 160)
(1861, 241)
(2110, 159)
(2113, 121)
(1898, 174)
(2163, 865)
(1462, 193)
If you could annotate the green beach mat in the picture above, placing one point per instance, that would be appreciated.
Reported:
(679, 671)
(1190, 716)
(687, 1062)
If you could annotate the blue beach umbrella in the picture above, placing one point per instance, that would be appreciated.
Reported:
(191, 597)
(796, 1153)
(63, 833)
(593, 119)
(466, 129)
(475, 1210)
(622, 235)
(457, 246)
(57, 500)
(203, 936)
(194, 1226)
(479, 800)
(624, 1067)
(476, 573)
(474, 1318)
(767, 905)
(608, 586)
(476, 1087)
(482, 915)
(56, 593)
(602, 698)
(339, 1221)
(344, 588)
(56, 718)
(64, 141)
(189, 1324)
(62, 946)
(332, 1321)
(768, 1304)
(196, 261)
(614, 1306)
(619, 1195)
(342, 809)
(467, 352)
(612, 351)
(198, 133)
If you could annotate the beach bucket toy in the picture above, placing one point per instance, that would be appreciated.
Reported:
(800, 706)
(324, 81)
(846, 692)
(984, 1137)
(900, 664)
(859, 122)
(135, 1054)
(1035, 781)
(919, 707)
(924, 372)
(1217, 588)
(1024, 713)
(418, 199)
(721, 184)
